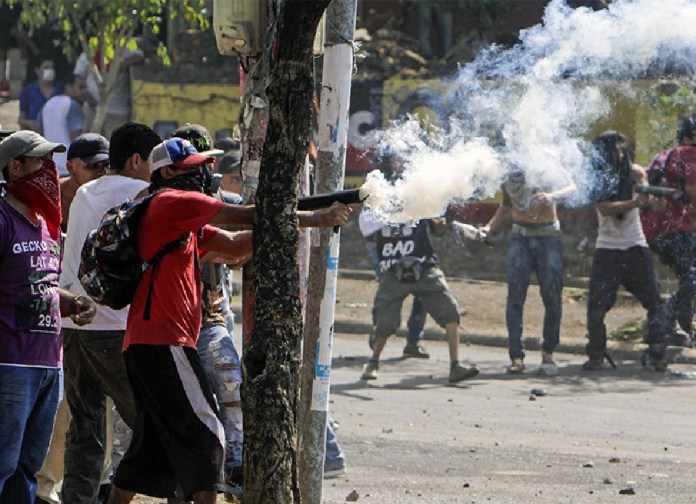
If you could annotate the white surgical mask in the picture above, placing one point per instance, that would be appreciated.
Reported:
(48, 74)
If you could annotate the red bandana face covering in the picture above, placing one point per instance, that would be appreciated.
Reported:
(40, 191)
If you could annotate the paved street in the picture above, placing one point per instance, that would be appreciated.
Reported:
(410, 437)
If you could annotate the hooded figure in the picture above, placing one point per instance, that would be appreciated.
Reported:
(613, 172)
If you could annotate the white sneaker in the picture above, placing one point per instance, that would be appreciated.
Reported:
(370, 371)
(334, 472)
(548, 365)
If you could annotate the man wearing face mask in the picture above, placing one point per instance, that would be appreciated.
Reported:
(534, 245)
(178, 437)
(31, 310)
(215, 345)
(35, 94)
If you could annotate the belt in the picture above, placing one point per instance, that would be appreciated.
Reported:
(525, 229)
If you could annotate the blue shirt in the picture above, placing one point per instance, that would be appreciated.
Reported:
(32, 99)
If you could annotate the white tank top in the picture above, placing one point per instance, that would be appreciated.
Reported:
(620, 234)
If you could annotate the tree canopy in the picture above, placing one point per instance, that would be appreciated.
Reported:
(105, 30)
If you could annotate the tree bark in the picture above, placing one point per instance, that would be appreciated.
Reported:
(272, 357)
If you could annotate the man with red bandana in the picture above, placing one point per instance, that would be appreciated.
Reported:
(31, 307)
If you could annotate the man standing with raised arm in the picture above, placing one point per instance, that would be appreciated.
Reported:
(534, 245)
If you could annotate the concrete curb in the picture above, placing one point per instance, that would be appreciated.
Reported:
(620, 351)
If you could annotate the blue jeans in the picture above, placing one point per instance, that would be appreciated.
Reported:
(223, 370)
(29, 400)
(543, 255)
(334, 457)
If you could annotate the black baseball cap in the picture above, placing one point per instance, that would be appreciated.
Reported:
(227, 144)
(90, 147)
(229, 162)
(200, 137)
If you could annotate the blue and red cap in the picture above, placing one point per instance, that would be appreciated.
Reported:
(178, 153)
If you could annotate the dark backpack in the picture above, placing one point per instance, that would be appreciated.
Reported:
(110, 266)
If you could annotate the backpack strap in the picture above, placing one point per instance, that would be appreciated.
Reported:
(154, 261)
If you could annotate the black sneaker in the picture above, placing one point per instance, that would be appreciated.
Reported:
(416, 351)
(593, 365)
(657, 364)
(460, 373)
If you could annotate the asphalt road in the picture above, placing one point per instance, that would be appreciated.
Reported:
(409, 437)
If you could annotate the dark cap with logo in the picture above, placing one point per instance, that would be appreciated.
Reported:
(199, 136)
(90, 147)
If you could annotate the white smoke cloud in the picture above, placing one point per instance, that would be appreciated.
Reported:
(530, 107)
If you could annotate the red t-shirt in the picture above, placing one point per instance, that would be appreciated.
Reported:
(175, 311)
(680, 172)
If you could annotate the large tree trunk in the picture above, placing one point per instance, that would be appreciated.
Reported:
(272, 358)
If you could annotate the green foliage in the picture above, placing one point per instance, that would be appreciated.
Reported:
(485, 11)
(105, 28)
(668, 100)
(630, 331)
(108, 25)
(683, 98)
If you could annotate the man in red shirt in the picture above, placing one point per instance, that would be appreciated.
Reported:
(178, 438)
(670, 229)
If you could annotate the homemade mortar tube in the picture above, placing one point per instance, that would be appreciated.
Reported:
(347, 197)
(667, 192)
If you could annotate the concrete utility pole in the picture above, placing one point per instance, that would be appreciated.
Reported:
(321, 299)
